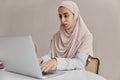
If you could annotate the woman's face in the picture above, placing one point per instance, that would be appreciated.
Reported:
(66, 17)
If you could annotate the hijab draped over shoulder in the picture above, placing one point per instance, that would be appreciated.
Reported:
(77, 39)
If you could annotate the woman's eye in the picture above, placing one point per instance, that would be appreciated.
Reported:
(66, 16)
(60, 16)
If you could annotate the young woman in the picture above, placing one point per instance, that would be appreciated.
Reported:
(71, 46)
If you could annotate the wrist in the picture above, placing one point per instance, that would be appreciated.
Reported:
(54, 59)
(40, 60)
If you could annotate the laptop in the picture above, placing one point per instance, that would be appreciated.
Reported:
(19, 56)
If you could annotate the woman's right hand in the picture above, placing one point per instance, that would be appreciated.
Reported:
(49, 65)
(40, 60)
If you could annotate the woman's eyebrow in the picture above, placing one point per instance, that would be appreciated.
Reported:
(65, 13)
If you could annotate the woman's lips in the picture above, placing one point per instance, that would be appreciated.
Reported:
(65, 25)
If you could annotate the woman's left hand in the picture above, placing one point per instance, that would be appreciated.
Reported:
(49, 65)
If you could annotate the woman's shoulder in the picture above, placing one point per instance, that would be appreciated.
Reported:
(56, 34)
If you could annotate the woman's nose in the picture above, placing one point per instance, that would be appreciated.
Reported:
(62, 19)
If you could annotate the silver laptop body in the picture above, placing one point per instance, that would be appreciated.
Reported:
(18, 55)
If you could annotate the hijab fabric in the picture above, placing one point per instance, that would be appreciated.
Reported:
(77, 39)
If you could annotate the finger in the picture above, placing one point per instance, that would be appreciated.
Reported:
(42, 65)
(49, 66)
(53, 65)
(45, 66)
(47, 69)
(46, 63)
(53, 68)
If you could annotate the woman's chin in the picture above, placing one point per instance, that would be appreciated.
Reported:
(66, 27)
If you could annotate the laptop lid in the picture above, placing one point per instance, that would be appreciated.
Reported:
(18, 55)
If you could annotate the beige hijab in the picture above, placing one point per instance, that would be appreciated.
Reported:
(78, 39)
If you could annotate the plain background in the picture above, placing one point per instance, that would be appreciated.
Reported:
(39, 18)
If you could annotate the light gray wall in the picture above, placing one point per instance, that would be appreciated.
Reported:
(39, 18)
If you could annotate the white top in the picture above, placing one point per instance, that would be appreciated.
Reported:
(78, 62)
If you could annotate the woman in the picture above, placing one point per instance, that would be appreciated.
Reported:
(71, 46)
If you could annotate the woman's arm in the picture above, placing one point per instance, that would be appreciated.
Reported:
(78, 62)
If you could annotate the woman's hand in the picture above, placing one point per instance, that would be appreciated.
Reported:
(49, 65)
(40, 60)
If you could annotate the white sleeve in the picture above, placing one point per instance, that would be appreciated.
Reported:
(79, 62)
(46, 57)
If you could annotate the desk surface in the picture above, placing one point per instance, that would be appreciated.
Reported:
(67, 75)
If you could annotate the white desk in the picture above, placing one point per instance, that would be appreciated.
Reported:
(68, 75)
